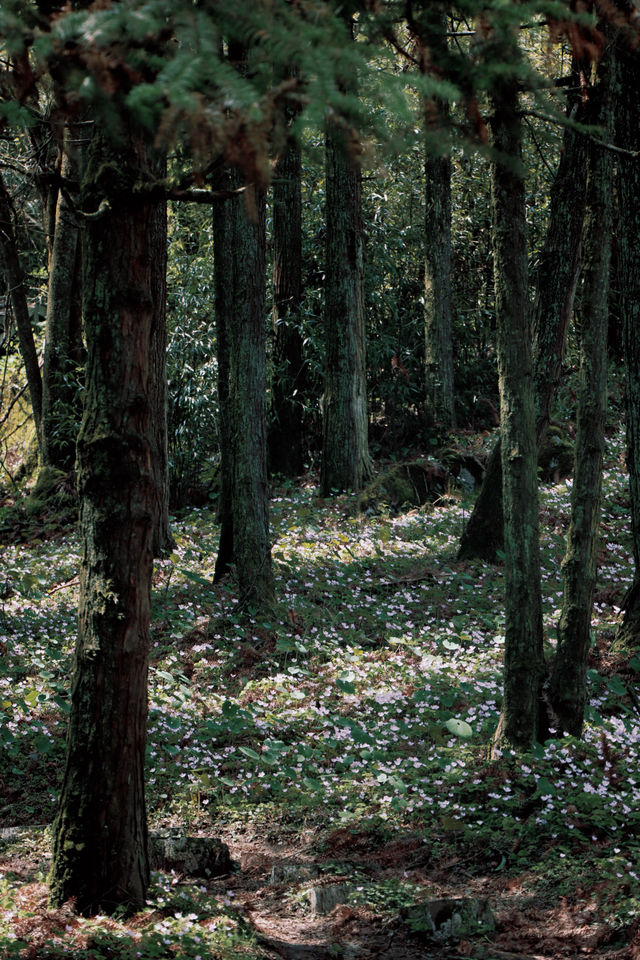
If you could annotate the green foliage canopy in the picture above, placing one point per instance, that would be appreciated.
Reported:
(172, 64)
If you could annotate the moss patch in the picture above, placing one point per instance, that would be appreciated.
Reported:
(54, 491)
(406, 484)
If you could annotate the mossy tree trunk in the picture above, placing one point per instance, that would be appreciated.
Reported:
(524, 663)
(63, 350)
(10, 260)
(288, 388)
(556, 280)
(345, 443)
(100, 833)
(567, 690)
(628, 234)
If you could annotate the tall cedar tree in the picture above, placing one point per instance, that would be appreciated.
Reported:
(345, 446)
(429, 25)
(568, 686)
(286, 440)
(247, 399)
(100, 833)
(628, 235)
(63, 349)
(524, 662)
(15, 280)
(163, 541)
(239, 282)
(223, 306)
(556, 280)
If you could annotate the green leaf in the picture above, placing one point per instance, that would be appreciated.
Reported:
(544, 788)
(190, 575)
(435, 732)
(284, 645)
(460, 728)
(452, 825)
(616, 686)
(312, 784)
(248, 752)
(360, 735)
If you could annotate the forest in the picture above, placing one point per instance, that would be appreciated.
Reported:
(319, 479)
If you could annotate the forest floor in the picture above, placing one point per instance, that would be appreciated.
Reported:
(339, 746)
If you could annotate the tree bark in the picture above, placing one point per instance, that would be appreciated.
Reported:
(560, 261)
(437, 293)
(567, 689)
(100, 833)
(10, 259)
(628, 234)
(286, 441)
(224, 298)
(432, 26)
(63, 333)
(524, 663)
(345, 445)
(247, 401)
(556, 280)
(163, 542)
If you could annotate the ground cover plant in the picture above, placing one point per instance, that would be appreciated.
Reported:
(344, 736)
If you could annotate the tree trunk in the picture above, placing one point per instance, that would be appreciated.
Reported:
(437, 272)
(437, 293)
(240, 245)
(345, 445)
(560, 261)
(63, 335)
(567, 690)
(628, 234)
(163, 542)
(556, 281)
(15, 282)
(224, 298)
(100, 834)
(524, 664)
(286, 442)
(247, 401)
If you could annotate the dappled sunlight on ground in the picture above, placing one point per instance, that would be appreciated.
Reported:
(348, 727)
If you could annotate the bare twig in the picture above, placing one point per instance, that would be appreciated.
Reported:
(60, 586)
(547, 118)
(12, 404)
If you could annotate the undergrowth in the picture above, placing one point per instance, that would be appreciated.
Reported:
(362, 706)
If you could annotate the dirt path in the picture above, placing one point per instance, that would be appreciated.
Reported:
(281, 912)
(283, 889)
